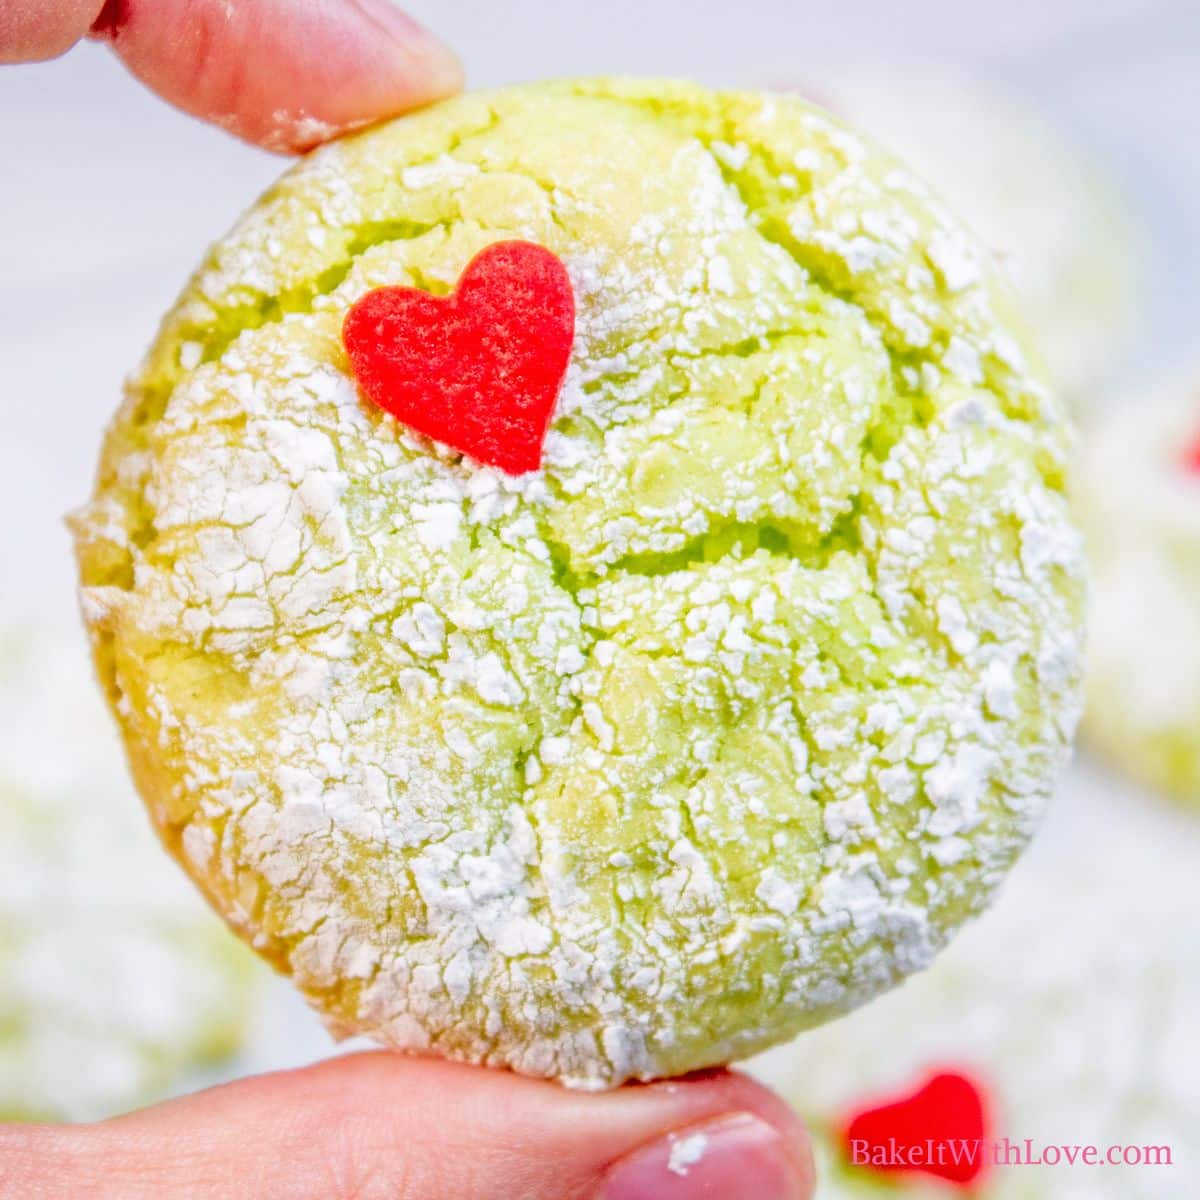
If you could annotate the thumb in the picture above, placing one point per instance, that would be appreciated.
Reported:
(285, 74)
(383, 1125)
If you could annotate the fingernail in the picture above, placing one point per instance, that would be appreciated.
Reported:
(437, 62)
(736, 1157)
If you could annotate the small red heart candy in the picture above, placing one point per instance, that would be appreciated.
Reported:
(948, 1111)
(480, 369)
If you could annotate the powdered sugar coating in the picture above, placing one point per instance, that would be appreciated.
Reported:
(711, 729)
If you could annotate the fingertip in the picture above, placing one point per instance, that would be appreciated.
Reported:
(613, 1145)
(283, 76)
(433, 69)
(385, 1123)
(34, 31)
(737, 1156)
(723, 1094)
(402, 67)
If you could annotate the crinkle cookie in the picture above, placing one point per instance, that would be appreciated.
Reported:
(115, 981)
(1139, 501)
(713, 727)
(1072, 1003)
(1064, 234)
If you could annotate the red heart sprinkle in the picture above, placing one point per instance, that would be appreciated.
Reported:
(480, 369)
(937, 1130)
(1191, 456)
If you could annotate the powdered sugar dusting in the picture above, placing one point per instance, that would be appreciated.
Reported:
(686, 1151)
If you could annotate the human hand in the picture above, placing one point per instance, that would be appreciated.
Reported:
(384, 1125)
(285, 74)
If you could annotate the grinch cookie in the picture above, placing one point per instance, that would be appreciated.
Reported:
(1062, 233)
(114, 980)
(1074, 1031)
(630, 750)
(1139, 500)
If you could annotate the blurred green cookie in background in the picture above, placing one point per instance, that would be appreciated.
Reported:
(714, 726)
(1139, 502)
(115, 980)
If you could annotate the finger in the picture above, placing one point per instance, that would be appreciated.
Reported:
(383, 1125)
(34, 30)
(285, 74)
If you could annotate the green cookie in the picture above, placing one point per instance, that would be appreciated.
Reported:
(713, 728)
